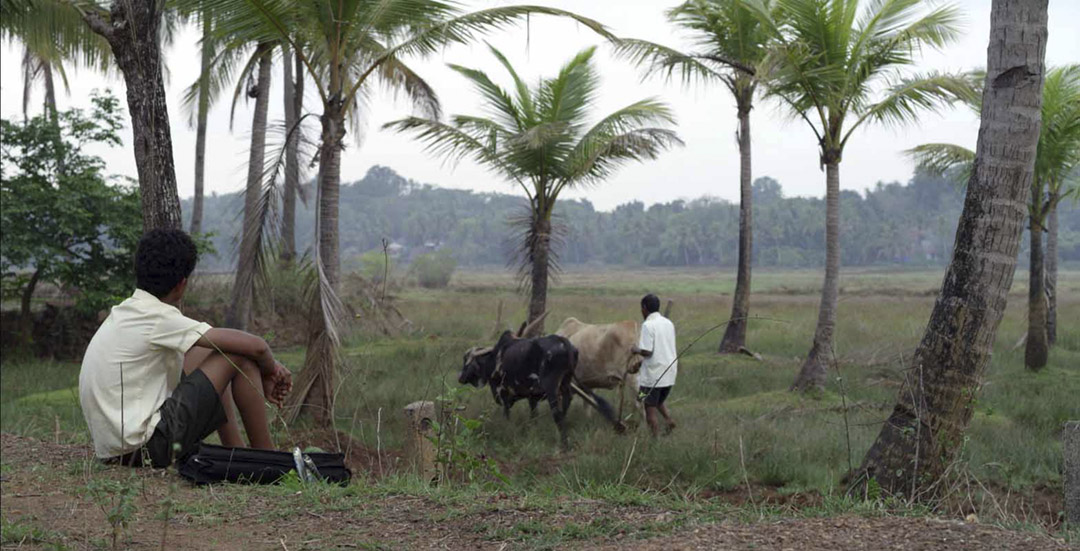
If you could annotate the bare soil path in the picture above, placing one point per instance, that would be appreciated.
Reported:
(45, 505)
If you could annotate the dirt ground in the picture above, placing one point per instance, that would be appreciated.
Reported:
(41, 487)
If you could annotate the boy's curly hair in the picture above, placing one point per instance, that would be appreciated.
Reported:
(163, 259)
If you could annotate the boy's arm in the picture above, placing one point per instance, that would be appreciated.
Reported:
(232, 341)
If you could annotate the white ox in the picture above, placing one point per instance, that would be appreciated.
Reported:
(606, 357)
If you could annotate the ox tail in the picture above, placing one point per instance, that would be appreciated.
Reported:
(599, 403)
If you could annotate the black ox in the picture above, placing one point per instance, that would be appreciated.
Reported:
(535, 369)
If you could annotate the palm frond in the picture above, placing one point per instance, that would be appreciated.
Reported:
(906, 98)
(452, 143)
(1058, 152)
(659, 60)
(944, 159)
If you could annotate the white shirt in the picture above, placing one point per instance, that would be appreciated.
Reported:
(131, 366)
(658, 335)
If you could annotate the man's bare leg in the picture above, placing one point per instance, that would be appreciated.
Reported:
(667, 417)
(650, 417)
(228, 432)
(241, 376)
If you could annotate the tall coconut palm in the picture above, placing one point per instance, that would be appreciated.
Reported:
(538, 139)
(346, 44)
(935, 403)
(727, 36)
(838, 66)
(1057, 156)
(239, 313)
(294, 106)
(202, 113)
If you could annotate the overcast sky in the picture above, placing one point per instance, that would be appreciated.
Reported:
(708, 165)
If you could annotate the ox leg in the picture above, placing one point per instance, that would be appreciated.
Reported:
(559, 415)
(532, 407)
(507, 403)
(622, 394)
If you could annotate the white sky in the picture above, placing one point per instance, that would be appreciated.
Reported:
(708, 165)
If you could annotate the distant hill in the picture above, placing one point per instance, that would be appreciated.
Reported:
(912, 224)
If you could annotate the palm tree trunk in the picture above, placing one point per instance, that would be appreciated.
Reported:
(239, 313)
(1051, 277)
(200, 127)
(132, 29)
(50, 93)
(815, 368)
(294, 99)
(1036, 349)
(935, 402)
(313, 390)
(735, 333)
(539, 255)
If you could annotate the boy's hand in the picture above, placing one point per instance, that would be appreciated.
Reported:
(277, 385)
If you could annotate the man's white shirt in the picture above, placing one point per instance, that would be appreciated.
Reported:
(658, 335)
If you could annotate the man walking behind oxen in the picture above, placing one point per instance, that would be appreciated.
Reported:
(659, 367)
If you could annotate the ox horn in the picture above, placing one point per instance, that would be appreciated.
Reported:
(526, 328)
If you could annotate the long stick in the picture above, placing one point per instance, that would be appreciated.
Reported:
(699, 337)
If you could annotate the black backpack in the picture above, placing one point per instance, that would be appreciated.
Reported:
(212, 464)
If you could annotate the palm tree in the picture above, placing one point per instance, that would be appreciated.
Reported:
(828, 61)
(935, 403)
(344, 45)
(1057, 155)
(239, 313)
(728, 36)
(294, 106)
(538, 139)
(54, 38)
(202, 111)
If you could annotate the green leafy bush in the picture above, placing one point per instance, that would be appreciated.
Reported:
(64, 221)
(434, 270)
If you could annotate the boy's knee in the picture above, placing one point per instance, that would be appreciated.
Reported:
(241, 362)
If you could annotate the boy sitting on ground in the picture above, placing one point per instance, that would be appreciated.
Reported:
(154, 383)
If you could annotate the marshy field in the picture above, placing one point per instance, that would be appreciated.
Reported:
(750, 465)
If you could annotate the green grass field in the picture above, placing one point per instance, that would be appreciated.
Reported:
(737, 422)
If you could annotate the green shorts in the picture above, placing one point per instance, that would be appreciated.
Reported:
(193, 412)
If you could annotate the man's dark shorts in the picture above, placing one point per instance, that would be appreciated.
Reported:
(193, 412)
(655, 395)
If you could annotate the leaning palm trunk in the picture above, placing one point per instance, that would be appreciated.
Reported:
(1051, 277)
(1036, 349)
(539, 251)
(935, 404)
(815, 368)
(294, 101)
(203, 112)
(735, 334)
(239, 313)
(132, 30)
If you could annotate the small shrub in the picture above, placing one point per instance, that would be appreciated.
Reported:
(434, 270)
(458, 443)
(373, 266)
(116, 498)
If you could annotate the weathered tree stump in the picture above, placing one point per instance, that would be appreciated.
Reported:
(419, 449)
(1070, 440)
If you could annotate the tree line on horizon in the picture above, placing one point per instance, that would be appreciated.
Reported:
(898, 224)
(834, 64)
